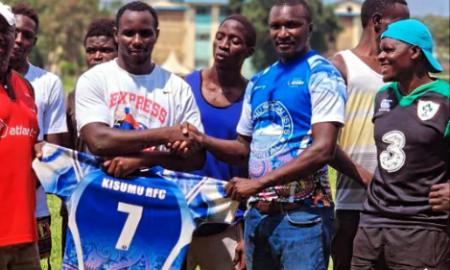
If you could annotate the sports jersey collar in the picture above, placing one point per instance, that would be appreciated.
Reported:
(135, 76)
(296, 61)
(436, 86)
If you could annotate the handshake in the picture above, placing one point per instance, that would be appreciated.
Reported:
(185, 140)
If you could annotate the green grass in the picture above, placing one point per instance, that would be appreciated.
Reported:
(54, 204)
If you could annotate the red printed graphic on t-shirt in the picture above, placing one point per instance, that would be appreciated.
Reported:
(141, 103)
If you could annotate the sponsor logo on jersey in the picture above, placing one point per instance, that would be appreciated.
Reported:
(3, 128)
(6, 130)
(385, 105)
(393, 158)
(427, 109)
(295, 82)
(258, 87)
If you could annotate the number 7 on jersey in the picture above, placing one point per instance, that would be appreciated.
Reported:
(131, 224)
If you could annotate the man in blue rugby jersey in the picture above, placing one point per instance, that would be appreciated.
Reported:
(292, 114)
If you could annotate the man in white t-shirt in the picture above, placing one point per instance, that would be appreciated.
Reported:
(49, 97)
(130, 104)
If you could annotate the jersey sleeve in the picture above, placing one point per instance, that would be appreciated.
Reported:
(210, 204)
(187, 110)
(61, 169)
(90, 103)
(245, 124)
(55, 113)
(328, 95)
(205, 197)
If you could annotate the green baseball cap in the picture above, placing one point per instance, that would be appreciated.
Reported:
(415, 33)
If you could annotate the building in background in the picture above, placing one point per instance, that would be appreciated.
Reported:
(348, 13)
(173, 65)
(188, 29)
(172, 37)
(203, 20)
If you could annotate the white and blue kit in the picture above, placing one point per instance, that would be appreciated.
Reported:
(281, 105)
(139, 223)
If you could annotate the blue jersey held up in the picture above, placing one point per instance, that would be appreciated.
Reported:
(144, 222)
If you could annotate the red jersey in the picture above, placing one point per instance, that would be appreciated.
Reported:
(18, 133)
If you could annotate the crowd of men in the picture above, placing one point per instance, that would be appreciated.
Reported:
(372, 112)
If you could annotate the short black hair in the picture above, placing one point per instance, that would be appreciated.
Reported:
(370, 7)
(137, 6)
(101, 27)
(292, 3)
(250, 37)
(25, 10)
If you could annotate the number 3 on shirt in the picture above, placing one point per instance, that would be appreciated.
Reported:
(393, 158)
(131, 224)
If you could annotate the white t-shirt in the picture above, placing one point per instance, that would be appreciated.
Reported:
(109, 94)
(49, 98)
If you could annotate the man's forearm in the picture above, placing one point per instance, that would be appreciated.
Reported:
(54, 138)
(174, 162)
(234, 152)
(105, 141)
(343, 164)
(68, 140)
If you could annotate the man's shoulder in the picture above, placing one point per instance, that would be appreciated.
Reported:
(264, 72)
(322, 70)
(387, 92)
(71, 96)
(16, 76)
(387, 87)
(441, 87)
(37, 74)
(102, 69)
(318, 63)
(192, 77)
(338, 61)
(170, 79)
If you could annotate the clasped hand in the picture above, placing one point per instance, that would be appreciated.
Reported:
(185, 140)
(240, 189)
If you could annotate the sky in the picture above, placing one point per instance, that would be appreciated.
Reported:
(422, 7)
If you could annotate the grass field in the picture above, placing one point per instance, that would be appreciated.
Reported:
(54, 204)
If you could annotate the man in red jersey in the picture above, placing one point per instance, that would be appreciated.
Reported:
(18, 133)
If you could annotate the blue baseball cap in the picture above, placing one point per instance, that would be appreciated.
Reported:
(415, 33)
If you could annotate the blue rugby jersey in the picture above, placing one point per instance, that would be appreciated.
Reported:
(143, 222)
(281, 105)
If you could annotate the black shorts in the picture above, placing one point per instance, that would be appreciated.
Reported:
(401, 249)
(45, 236)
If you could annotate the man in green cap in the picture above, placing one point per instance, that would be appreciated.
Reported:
(412, 135)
